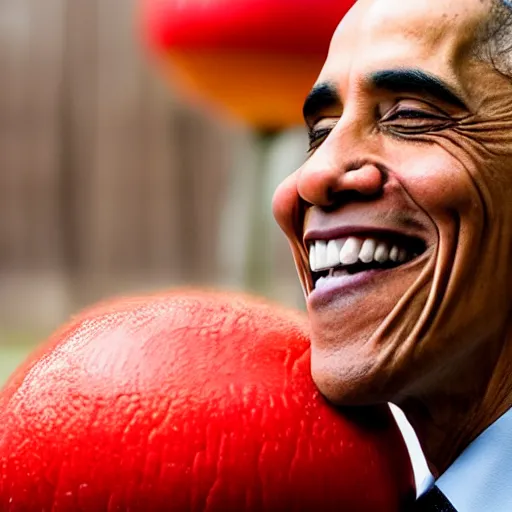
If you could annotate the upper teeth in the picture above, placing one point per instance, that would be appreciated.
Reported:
(324, 255)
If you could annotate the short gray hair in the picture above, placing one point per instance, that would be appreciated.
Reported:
(494, 43)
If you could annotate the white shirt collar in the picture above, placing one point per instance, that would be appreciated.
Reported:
(422, 476)
(481, 478)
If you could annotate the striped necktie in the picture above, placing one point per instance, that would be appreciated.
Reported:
(434, 501)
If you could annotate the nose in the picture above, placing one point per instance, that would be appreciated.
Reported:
(329, 177)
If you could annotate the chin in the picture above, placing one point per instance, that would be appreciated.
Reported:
(371, 363)
(364, 343)
(346, 379)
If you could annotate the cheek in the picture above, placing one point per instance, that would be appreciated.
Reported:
(438, 182)
(285, 204)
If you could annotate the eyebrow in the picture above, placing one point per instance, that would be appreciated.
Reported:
(322, 97)
(415, 81)
(325, 95)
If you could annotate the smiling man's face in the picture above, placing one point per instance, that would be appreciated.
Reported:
(399, 220)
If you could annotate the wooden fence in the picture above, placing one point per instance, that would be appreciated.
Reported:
(107, 183)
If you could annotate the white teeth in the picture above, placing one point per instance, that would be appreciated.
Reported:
(381, 253)
(321, 255)
(312, 257)
(325, 255)
(350, 252)
(394, 253)
(333, 254)
(368, 250)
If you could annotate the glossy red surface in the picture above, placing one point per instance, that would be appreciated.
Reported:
(284, 26)
(189, 401)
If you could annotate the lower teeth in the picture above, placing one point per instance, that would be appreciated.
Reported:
(353, 269)
(338, 272)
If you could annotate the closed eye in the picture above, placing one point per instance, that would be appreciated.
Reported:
(411, 121)
(316, 137)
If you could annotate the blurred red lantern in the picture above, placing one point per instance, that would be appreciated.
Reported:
(256, 58)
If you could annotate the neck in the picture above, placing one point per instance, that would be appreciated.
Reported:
(448, 418)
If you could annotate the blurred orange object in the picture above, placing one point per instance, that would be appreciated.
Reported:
(255, 58)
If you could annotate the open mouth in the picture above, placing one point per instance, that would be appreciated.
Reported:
(352, 255)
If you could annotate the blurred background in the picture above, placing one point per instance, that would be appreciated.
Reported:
(110, 184)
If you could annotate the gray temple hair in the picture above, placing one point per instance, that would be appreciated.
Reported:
(494, 42)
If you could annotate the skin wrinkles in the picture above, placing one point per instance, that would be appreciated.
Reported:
(434, 335)
(324, 96)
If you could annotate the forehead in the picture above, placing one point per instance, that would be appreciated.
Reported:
(377, 34)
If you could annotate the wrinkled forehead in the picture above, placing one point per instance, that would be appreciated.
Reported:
(437, 36)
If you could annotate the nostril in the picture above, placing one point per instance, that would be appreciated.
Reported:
(367, 180)
(327, 187)
(318, 188)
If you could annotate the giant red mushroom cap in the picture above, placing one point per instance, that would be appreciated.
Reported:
(256, 58)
